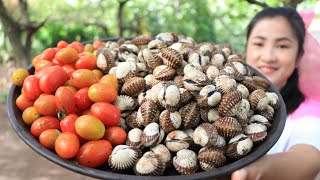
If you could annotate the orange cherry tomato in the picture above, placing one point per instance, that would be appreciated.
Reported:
(18, 76)
(115, 135)
(98, 73)
(77, 46)
(48, 138)
(23, 102)
(46, 105)
(111, 80)
(62, 44)
(89, 127)
(89, 48)
(29, 115)
(41, 64)
(48, 54)
(43, 123)
(67, 55)
(81, 78)
(97, 44)
(67, 145)
(86, 61)
(101, 92)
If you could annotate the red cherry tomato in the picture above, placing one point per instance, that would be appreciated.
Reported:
(77, 46)
(115, 135)
(81, 78)
(43, 123)
(97, 43)
(69, 69)
(23, 102)
(106, 112)
(94, 153)
(46, 105)
(67, 145)
(48, 138)
(82, 99)
(67, 124)
(67, 55)
(48, 54)
(52, 78)
(62, 44)
(101, 92)
(89, 127)
(65, 101)
(86, 61)
(31, 88)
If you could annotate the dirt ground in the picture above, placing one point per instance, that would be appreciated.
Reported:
(19, 162)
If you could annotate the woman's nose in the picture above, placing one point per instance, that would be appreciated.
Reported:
(268, 55)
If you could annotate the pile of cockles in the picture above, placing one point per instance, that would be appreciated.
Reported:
(185, 105)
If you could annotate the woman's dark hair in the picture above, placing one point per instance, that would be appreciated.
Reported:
(291, 94)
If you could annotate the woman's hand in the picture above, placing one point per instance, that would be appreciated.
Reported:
(302, 161)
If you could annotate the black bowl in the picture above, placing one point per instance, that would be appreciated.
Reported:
(15, 117)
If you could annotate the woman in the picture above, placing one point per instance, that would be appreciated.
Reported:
(275, 39)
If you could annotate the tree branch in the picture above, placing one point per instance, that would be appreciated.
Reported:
(264, 5)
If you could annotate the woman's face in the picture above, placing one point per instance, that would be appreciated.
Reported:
(272, 49)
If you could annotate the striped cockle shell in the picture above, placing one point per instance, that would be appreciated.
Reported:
(185, 162)
(262, 82)
(189, 68)
(148, 112)
(167, 37)
(105, 59)
(152, 135)
(250, 84)
(179, 70)
(155, 45)
(143, 96)
(131, 120)
(150, 164)
(205, 135)
(268, 113)
(113, 71)
(209, 115)
(217, 60)
(178, 80)
(259, 119)
(170, 121)
(197, 58)
(220, 144)
(210, 158)
(225, 83)
(183, 48)
(228, 126)
(128, 51)
(123, 157)
(122, 123)
(111, 45)
(239, 146)
(256, 131)
(126, 70)
(190, 115)
(258, 99)
(141, 41)
(177, 140)
(134, 138)
(187, 40)
(244, 90)
(142, 69)
(227, 50)
(239, 70)
(171, 57)
(154, 92)
(273, 100)
(124, 103)
(133, 86)
(195, 80)
(154, 61)
(185, 96)
(206, 48)
(229, 71)
(164, 154)
(229, 103)
(208, 96)
(243, 110)
(169, 96)
(212, 72)
(150, 81)
(146, 56)
(164, 73)
(234, 58)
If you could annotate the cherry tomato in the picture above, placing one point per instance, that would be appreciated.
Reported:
(65, 101)
(43, 123)
(82, 99)
(67, 124)
(94, 153)
(69, 69)
(18, 76)
(81, 78)
(77, 46)
(98, 73)
(42, 64)
(106, 112)
(89, 127)
(111, 80)
(31, 88)
(29, 115)
(46, 105)
(115, 135)
(67, 145)
(55, 62)
(35, 60)
(23, 102)
(62, 44)
(48, 138)
(97, 44)
(52, 78)
(89, 48)
(86, 61)
(101, 92)
(48, 54)
(67, 55)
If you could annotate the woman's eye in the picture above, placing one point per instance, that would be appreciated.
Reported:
(258, 44)
(282, 46)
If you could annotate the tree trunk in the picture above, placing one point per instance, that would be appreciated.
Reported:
(119, 17)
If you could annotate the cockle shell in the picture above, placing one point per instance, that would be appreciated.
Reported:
(243, 111)
(250, 84)
(126, 70)
(227, 50)
(150, 81)
(169, 96)
(194, 80)
(256, 131)
(183, 48)
(244, 90)
(225, 83)
(154, 61)
(190, 115)
(148, 112)
(239, 70)
(212, 72)
(259, 119)
(239, 146)
(268, 113)
(258, 99)
(185, 162)
(124, 103)
(205, 135)
(105, 59)
(123, 157)
(228, 126)
(170, 121)
(152, 135)
(273, 100)
(131, 120)
(190, 68)
(133, 86)
(111, 45)
(217, 60)
(150, 164)
(128, 51)
(155, 45)
(208, 96)
(229, 71)
(178, 80)
(134, 138)
(197, 58)
(164, 72)
(185, 96)
(234, 58)
(229, 103)
(206, 48)
(167, 37)
(209, 115)
(262, 82)
(164, 154)
(141, 41)
(171, 57)
(211, 158)
(177, 140)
